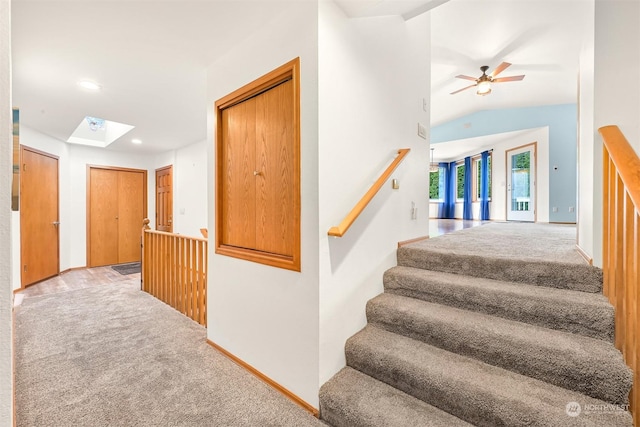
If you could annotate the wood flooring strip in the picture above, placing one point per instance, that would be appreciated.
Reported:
(287, 393)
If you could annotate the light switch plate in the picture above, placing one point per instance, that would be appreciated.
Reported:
(422, 132)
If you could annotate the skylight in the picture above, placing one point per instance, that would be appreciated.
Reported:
(97, 132)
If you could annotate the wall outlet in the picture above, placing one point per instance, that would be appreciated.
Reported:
(554, 209)
(572, 209)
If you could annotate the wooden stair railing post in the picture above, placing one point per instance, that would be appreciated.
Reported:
(145, 227)
(340, 230)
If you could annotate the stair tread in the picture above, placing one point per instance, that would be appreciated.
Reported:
(365, 401)
(584, 364)
(574, 311)
(472, 390)
(559, 272)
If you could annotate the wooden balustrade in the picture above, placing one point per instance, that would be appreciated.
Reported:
(174, 270)
(621, 248)
(339, 230)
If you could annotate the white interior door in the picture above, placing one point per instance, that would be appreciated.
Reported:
(521, 184)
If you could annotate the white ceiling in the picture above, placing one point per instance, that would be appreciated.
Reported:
(150, 58)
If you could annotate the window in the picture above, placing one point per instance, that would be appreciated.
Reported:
(436, 185)
(460, 182)
(477, 164)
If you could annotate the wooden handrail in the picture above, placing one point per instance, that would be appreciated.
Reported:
(621, 248)
(624, 158)
(166, 233)
(340, 230)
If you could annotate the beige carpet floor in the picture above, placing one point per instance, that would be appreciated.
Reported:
(114, 356)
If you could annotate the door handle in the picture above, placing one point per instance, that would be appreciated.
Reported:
(56, 223)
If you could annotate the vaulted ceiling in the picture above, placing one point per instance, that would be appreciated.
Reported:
(150, 58)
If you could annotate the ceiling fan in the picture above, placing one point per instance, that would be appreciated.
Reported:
(483, 83)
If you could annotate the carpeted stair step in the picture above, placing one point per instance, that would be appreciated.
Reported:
(479, 393)
(353, 399)
(553, 274)
(582, 313)
(586, 365)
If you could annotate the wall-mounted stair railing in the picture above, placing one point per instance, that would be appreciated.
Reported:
(341, 229)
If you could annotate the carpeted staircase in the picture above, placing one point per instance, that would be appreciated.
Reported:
(510, 342)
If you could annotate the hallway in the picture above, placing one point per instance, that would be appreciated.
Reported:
(94, 350)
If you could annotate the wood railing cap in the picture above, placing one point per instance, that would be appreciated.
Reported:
(625, 159)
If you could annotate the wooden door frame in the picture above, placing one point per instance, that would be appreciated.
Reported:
(170, 167)
(88, 202)
(288, 71)
(57, 159)
(534, 167)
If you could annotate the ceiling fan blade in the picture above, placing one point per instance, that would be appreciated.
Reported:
(508, 79)
(500, 68)
(461, 76)
(460, 90)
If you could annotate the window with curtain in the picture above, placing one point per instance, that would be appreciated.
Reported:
(436, 185)
(478, 178)
(460, 182)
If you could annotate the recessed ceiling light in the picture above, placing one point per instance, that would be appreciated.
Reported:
(136, 141)
(88, 84)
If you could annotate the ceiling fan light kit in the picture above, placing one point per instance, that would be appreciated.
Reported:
(484, 88)
(483, 83)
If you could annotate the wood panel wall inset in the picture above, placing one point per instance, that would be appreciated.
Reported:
(258, 170)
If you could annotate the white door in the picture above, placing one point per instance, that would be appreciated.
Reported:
(521, 184)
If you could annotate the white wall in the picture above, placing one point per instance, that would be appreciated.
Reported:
(617, 56)
(498, 205)
(190, 189)
(589, 221)
(266, 316)
(616, 101)
(373, 76)
(6, 159)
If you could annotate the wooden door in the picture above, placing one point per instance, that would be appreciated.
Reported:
(103, 217)
(258, 170)
(164, 199)
(274, 180)
(39, 221)
(238, 194)
(130, 215)
(116, 207)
